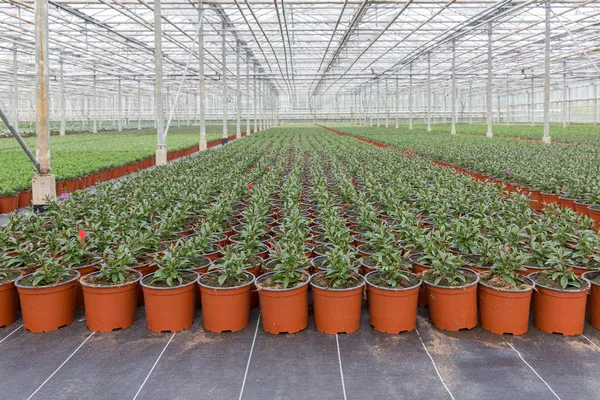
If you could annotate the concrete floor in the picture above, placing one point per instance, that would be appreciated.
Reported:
(74, 363)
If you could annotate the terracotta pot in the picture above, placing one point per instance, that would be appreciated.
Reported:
(24, 198)
(8, 203)
(226, 309)
(69, 186)
(337, 310)
(199, 271)
(504, 311)
(145, 269)
(453, 308)
(536, 200)
(59, 188)
(559, 311)
(566, 202)
(419, 269)
(83, 271)
(593, 298)
(47, 308)
(9, 303)
(392, 310)
(580, 270)
(582, 208)
(531, 269)
(283, 310)
(110, 307)
(594, 213)
(169, 309)
(550, 198)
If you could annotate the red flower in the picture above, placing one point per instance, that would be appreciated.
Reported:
(250, 186)
(82, 235)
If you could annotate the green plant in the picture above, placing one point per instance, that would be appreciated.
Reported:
(392, 265)
(50, 272)
(340, 269)
(289, 261)
(170, 268)
(506, 264)
(445, 267)
(230, 268)
(113, 266)
(561, 273)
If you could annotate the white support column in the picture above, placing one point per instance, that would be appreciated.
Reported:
(238, 131)
(532, 106)
(15, 88)
(201, 89)
(507, 105)
(119, 108)
(139, 106)
(565, 95)
(225, 134)
(397, 105)
(95, 103)
(63, 103)
(470, 102)
(546, 137)
(247, 94)
(489, 132)
(595, 104)
(161, 147)
(387, 114)
(453, 94)
(254, 108)
(410, 98)
(428, 92)
(43, 183)
(377, 102)
(370, 104)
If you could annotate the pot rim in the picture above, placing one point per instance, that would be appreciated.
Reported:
(83, 283)
(531, 287)
(362, 283)
(13, 280)
(585, 278)
(268, 289)
(531, 276)
(457, 287)
(19, 285)
(225, 288)
(169, 287)
(401, 289)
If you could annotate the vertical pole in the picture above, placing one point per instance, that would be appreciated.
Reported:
(15, 108)
(43, 183)
(119, 111)
(161, 148)
(387, 114)
(377, 100)
(507, 105)
(428, 92)
(470, 102)
(238, 131)
(453, 94)
(139, 105)
(95, 103)
(370, 104)
(410, 98)
(397, 105)
(201, 89)
(248, 132)
(489, 84)
(254, 108)
(62, 99)
(532, 106)
(225, 135)
(546, 137)
(565, 104)
(595, 104)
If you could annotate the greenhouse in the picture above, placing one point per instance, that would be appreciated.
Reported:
(299, 199)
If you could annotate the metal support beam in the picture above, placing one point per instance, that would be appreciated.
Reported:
(139, 106)
(410, 98)
(62, 99)
(225, 135)
(565, 95)
(201, 89)
(95, 103)
(546, 137)
(238, 131)
(254, 88)
(507, 105)
(397, 104)
(532, 103)
(489, 132)
(15, 88)
(377, 100)
(161, 147)
(387, 114)
(119, 108)
(43, 183)
(470, 102)
(247, 94)
(453, 94)
(428, 92)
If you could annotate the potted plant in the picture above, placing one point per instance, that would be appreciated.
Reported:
(393, 294)
(9, 300)
(225, 293)
(593, 300)
(451, 291)
(284, 292)
(111, 293)
(560, 297)
(169, 295)
(504, 295)
(337, 294)
(48, 296)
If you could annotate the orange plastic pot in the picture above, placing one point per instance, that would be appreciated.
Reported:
(593, 299)
(8, 203)
(145, 269)
(9, 303)
(536, 200)
(504, 311)
(169, 309)
(549, 198)
(453, 308)
(594, 213)
(337, 310)
(199, 271)
(582, 208)
(283, 310)
(83, 271)
(392, 310)
(566, 202)
(25, 198)
(47, 308)
(110, 307)
(226, 309)
(419, 269)
(559, 311)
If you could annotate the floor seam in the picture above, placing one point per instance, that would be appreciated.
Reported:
(249, 357)
(10, 334)
(154, 366)
(337, 342)
(437, 371)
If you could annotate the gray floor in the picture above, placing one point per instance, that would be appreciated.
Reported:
(74, 363)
